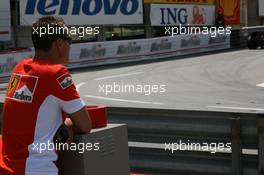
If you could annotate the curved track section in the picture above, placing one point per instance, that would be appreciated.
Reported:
(224, 81)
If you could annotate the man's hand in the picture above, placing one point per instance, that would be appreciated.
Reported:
(78, 123)
(69, 125)
(64, 134)
(61, 135)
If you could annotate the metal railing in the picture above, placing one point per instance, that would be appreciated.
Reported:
(238, 38)
(161, 126)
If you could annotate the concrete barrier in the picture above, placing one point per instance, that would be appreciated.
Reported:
(111, 157)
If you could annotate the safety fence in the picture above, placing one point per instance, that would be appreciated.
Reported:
(238, 38)
(151, 130)
(113, 52)
(102, 53)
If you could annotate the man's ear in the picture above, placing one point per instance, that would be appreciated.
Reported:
(59, 43)
(59, 46)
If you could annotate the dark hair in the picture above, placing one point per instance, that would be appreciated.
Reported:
(52, 28)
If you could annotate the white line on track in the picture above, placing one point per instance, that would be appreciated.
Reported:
(122, 100)
(260, 85)
(237, 108)
(79, 85)
(117, 76)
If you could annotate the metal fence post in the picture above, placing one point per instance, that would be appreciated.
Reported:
(236, 146)
(260, 125)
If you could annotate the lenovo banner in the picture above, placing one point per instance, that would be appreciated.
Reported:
(83, 12)
(171, 15)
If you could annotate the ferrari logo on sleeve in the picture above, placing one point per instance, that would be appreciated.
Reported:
(22, 87)
(12, 84)
(65, 81)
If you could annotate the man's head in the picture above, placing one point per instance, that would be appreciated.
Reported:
(51, 39)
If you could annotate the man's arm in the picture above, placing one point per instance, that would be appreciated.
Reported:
(69, 101)
(79, 122)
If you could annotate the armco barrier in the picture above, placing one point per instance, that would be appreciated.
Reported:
(102, 53)
(243, 130)
(238, 38)
(113, 52)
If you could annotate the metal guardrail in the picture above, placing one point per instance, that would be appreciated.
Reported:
(238, 38)
(169, 126)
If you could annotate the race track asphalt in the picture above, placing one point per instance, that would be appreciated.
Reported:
(225, 81)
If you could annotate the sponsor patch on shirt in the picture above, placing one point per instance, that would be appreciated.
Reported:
(22, 87)
(65, 81)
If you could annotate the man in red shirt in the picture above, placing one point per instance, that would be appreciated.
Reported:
(40, 90)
